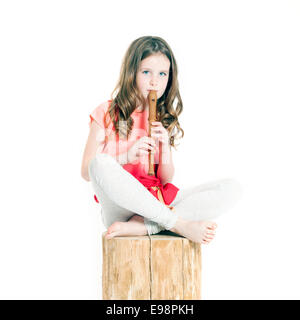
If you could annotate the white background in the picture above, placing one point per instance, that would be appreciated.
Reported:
(239, 80)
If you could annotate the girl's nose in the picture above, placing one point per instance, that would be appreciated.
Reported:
(153, 81)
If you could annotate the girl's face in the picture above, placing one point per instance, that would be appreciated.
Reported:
(153, 74)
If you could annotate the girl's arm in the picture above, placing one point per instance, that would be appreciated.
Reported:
(94, 144)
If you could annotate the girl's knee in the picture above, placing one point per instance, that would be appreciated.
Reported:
(232, 188)
(104, 158)
(99, 162)
(91, 167)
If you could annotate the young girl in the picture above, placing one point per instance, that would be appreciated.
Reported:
(115, 158)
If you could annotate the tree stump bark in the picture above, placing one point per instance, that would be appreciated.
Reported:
(159, 267)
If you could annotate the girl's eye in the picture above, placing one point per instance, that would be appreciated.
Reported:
(160, 73)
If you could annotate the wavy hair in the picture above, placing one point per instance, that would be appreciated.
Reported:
(126, 97)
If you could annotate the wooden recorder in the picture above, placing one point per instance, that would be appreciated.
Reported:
(152, 99)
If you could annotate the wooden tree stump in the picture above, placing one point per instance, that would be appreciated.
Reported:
(160, 267)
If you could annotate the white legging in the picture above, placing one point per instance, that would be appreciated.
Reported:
(121, 196)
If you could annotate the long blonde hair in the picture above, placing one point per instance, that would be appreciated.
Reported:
(126, 97)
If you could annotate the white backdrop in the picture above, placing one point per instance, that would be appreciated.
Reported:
(239, 80)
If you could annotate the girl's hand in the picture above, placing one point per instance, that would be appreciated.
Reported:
(160, 132)
(141, 147)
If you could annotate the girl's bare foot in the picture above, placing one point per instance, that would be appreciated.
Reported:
(133, 227)
(197, 231)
